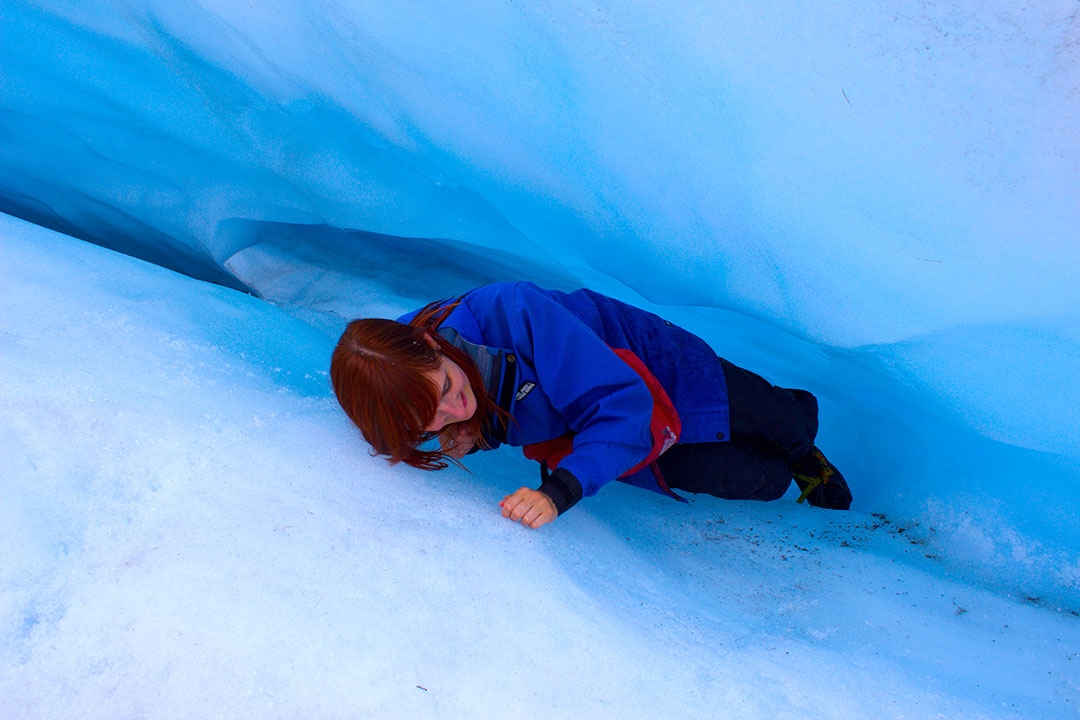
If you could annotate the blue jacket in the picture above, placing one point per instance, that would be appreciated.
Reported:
(547, 357)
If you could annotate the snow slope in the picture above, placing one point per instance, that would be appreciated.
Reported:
(190, 528)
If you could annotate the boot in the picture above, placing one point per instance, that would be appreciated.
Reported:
(821, 483)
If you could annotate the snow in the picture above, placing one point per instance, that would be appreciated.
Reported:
(878, 204)
(191, 528)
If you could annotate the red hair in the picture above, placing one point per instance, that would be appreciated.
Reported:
(377, 370)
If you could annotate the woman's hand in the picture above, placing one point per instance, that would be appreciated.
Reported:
(456, 440)
(531, 508)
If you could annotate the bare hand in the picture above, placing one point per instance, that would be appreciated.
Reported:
(531, 508)
(456, 440)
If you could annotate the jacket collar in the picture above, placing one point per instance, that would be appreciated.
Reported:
(498, 368)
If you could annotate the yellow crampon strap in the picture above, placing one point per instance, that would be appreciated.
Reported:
(811, 483)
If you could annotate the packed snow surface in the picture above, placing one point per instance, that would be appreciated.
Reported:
(191, 528)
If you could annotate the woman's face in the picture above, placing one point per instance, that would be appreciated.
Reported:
(457, 402)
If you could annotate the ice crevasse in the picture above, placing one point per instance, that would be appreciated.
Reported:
(877, 204)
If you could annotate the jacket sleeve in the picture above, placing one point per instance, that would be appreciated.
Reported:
(599, 396)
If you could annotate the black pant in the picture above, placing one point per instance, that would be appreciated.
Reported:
(771, 428)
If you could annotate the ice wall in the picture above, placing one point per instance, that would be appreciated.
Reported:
(895, 186)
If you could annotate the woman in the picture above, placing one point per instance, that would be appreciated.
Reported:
(593, 388)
